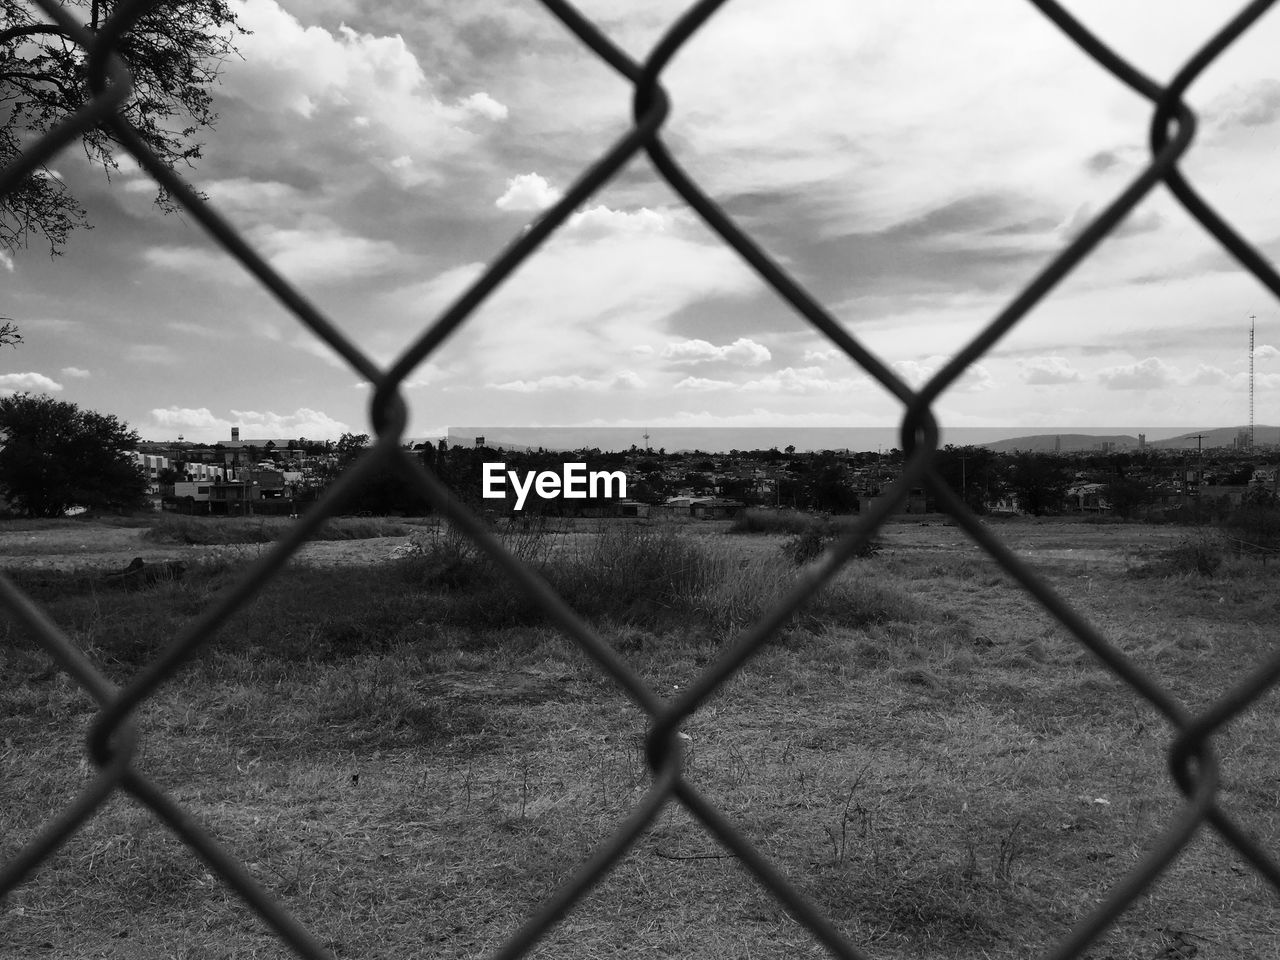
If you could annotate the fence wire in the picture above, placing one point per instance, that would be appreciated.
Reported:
(1193, 763)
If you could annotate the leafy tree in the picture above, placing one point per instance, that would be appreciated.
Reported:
(1039, 482)
(350, 447)
(173, 53)
(1127, 494)
(9, 334)
(971, 472)
(55, 456)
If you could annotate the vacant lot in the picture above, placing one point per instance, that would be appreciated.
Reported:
(405, 753)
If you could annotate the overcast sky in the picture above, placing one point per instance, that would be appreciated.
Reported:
(914, 165)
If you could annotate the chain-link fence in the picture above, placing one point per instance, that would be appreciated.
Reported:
(1193, 763)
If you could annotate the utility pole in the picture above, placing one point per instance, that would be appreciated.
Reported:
(1199, 437)
(1252, 320)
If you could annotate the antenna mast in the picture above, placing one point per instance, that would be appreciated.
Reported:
(1252, 320)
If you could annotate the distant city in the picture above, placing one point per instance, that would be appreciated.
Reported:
(863, 439)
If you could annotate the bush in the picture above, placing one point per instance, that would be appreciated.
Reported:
(776, 521)
(807, 546)
(228, 530)
(630, 572)
(1201, 555)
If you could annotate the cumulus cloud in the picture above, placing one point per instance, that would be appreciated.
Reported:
(201, 423)
(1144, 375)
(315, 252)
(916, 373)
(703, 385)
(527, 192)
(1265, 351)
(803, 380)
(1206, 376)
(742, 351)
(6, 261)
(483, 105)
(20, 382)
(74, 372)
(370, 87)
(1049, 370)
(587, 301)
(600, 221)
(1253, 105)
(823, 356)
(626, 380)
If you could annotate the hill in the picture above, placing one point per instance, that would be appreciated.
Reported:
(1062, 442)
(1210, 438)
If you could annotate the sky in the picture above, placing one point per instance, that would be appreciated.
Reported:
(912, 165)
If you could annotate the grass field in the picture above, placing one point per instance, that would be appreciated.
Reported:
(412, 760)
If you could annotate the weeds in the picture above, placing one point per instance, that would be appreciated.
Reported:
(360, 736)
(241, 530)
(1200, 555)
(777, 521)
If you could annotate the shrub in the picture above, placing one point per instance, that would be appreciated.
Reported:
(776, 521)
(227, 530)
(630, 572)
(807, 546)
(1202, 555)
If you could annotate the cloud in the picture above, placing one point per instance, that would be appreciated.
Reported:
(483, 105)
(803, 380)
(150, 353)
(369, 89)
(1265, 351)
(16, 382)
(823, 356)
(74, 372)
(528, 191)
(916, 373)
(703, 385)
(1144, 375)
(742, 351)
(626, 380)
(249, 195)
(1048, 370)
(588, 299)
(200, 423)
(6, 260)
(1251, 105)
(1205, 376)
(602, 221)
(316, 252)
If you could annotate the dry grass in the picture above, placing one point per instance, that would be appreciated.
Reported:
(172, 528)
(928, 757)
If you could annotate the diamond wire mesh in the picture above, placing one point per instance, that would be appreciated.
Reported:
(1193, 764)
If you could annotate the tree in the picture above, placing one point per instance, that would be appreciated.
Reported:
(173, 53)
(971, 472)
(1039, 482)
(9, 334)
(1127, 494)
(55, 456)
